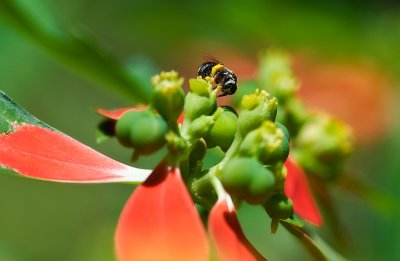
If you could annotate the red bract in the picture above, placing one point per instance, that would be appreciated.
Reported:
(227, 236)
(42, 153)
(298, 190)
(160, 222)
(116, 114)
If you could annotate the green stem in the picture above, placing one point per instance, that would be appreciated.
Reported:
(232, 151)
(218, 187)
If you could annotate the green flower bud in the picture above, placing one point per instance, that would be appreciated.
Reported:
(255, 109)
(284, 129)
(142, 130)
(201, 126)
(248, 179)
(168, 96)
(324, 143)
(267, 143)
(201, 100)
(276, 74)
(198, 152)
(293, 114)
(200, 87)
(279, 207)
(224, 130)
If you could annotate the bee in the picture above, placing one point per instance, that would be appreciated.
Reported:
(222, 76)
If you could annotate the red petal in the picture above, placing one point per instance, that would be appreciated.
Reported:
(298, 190)
(227, 236)
(116, 114)
(41, 153)
(160, 222)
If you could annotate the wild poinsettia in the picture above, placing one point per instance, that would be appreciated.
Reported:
(160, 214)
(160, 221)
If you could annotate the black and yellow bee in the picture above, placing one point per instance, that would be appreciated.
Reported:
(222, 76)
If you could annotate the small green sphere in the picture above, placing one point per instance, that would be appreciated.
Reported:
(279, 155)
(261, 186)
(142, 130)
(237, 174)
(224, 130)
(279, 207)
(248, 179)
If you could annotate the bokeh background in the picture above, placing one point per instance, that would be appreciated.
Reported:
(346, 55)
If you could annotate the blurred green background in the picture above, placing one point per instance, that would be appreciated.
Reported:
(47, 221)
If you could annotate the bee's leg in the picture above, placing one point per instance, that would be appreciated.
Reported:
(217, 87)
(209, 79)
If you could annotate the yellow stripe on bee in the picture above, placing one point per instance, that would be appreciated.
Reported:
(216, 68)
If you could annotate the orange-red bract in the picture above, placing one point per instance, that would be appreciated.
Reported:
(42, 153)
(160, 222)
(116, 114)
(298, 190)
(227, 236)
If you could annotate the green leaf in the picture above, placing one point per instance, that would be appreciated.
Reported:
(11, 114)
(77, 50)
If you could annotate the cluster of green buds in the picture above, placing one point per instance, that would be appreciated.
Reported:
(253, 167)
(254, 145)
(323, 155)
(320, 143)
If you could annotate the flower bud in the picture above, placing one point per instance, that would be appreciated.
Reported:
(248, 179)
(224, 130)
(279, 207)
(168, 96)
(143, 131)
(256, 108)
(324, 143)
(198, 152)
(267, 143)
(276, 74)
(284, 129)
(201, 126)
(201, 100)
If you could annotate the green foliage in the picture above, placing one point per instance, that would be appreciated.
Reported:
(11, 113)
